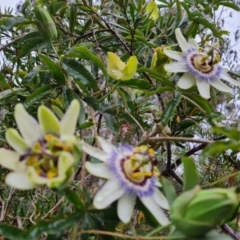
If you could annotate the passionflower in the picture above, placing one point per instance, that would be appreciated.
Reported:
(131, 172)
(201, 66)
(45, 152)
(118, 70)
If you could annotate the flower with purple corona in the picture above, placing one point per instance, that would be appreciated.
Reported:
(131, 172)
(200, 66)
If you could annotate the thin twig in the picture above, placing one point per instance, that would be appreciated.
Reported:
(169, 160)
(229, 231)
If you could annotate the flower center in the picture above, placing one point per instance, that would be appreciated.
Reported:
(44, 155)
(204, 61)
(140, 165)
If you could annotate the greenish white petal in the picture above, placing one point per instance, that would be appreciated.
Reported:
(186, 81)
(219, 85)
(98, 169)
(106, 145)
(48, 121)
(173, 54)
(65, 161)
(193, 43)
(19, 180)
(70, 118)
(160, 199)
(181, 40)
(10, 160)
(34, 177)
(176, 67)
(226, 77)
(203, 88)
(94, 152)
(28, 126)
(155, 210)
(16, 141)
(125, 207)
(108, 193)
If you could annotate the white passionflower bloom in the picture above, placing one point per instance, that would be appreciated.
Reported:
(130, 173)
(200, 66)
(45, 153)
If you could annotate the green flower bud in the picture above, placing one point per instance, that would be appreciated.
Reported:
(197, 211)
(159, 59)
(45, 24)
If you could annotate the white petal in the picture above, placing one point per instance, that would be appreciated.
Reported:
(176, 67)
(94, 152)
(28, 126)
(16, 141)
(98, 169)
(219, 85)
(173, 54)
(193, 42)
(125, 207)
(226, 77)
(160, 199)
(70, 118)
(10, 160)
(19, 181)
(106, 145)
(155, 210)
(186, 81)
(158, 184)
(181, 40)
(203, 88)
(108, 193)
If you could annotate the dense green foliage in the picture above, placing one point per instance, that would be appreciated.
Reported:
(55, 51)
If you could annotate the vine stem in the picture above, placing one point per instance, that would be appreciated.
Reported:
(125, 236)
(175, 139)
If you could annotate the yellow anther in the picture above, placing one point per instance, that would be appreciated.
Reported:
(151, 152)
(37, 147)
(141, 149)
(51, 174)
(156, 172)
(142, 174)
(32, 160)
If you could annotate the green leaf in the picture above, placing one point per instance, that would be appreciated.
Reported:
(136, 83)
(84, 53)
(168, 190)
(190, 173)
(10, 22)
(54, 69)
(229, 4)
(31, 45)
(79, 72)
(205, 23)
(61, 222)
(170, 109)
(218, 147)
(39, 94)
(111, 123)
(10, 231)
(178, 16)
(85, 125)
(200, 102)
(159, 90)
(3, 83)
(229, 132)
(74, 198)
